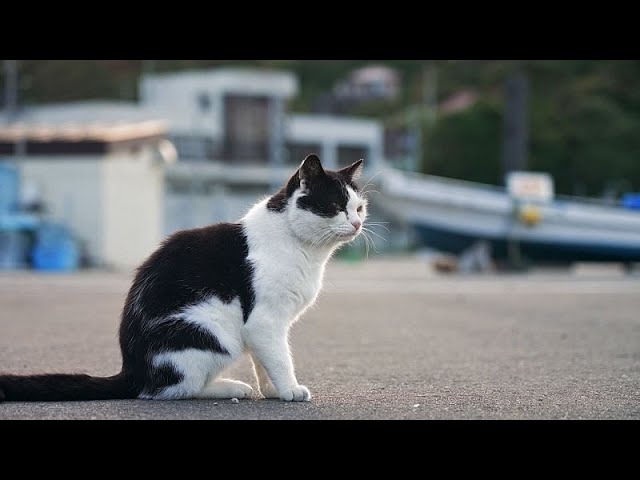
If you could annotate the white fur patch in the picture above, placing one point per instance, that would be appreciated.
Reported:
(195, 366)
(222, 320)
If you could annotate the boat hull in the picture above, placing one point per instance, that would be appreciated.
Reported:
(451, 215)
(449, 241)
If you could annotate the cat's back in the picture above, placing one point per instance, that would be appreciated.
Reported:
(207, 250)
(225, 241)
(191, 265)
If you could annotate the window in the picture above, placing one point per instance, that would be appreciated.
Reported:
(204, 102)
(296, 152)
(347, 154)
(246, 128)
(193, 147)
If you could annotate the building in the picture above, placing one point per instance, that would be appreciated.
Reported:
(374, 82)
(236, 140)
(237, 116)
(104, 181)
(99, 162)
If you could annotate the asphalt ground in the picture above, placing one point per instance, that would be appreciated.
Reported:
(387, 339)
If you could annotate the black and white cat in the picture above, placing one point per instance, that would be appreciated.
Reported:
(209, 295)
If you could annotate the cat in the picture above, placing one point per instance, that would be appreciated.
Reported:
(209, 295)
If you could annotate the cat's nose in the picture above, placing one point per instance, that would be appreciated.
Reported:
(356, 223)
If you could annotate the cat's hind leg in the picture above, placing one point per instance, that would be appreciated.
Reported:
(194, 347)
(225, 388)
(183, 374)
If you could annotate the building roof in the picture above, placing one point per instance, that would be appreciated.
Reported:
(105, 132)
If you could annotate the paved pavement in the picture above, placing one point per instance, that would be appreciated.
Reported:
(387, 340)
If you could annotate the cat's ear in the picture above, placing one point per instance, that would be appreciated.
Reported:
(353, 171)
(310, 170)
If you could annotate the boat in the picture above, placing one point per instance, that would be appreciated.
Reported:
(451, 215)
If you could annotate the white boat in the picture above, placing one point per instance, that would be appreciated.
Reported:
(450, 215)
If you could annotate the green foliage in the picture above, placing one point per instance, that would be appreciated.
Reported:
(584, 129)
(583, 117)
(466, 145)
(65, 80)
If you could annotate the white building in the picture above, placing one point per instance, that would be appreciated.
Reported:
(239, 116)
(236, 140)
(103, 181)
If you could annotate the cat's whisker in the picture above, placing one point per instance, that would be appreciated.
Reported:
(370, 179)
(322, 238)
(366, 235)
(319, 237)
(377, 225)
(364, 229)
(331, 237)
(367, 192)
(366, 243)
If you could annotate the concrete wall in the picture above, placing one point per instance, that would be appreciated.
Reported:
(133, 214)
(71, 189)
(188, 210)
(113, 204)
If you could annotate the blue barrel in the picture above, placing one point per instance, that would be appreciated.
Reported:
(55, 249)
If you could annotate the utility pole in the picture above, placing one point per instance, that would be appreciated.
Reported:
(514, 153)
(430, 106)
(11, 103)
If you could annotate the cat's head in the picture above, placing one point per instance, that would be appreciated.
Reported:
(323, 207)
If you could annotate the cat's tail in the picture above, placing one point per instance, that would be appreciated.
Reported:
(65, 387)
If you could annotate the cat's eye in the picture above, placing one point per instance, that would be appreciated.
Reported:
(359, 209)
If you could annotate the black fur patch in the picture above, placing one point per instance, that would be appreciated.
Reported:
(161, 377)
(177, 334)
(326, 190)
(278, 201)
(56, 387)
(191, 266)
(327, 196)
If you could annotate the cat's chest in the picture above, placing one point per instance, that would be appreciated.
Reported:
(304, 279)
(295, 281)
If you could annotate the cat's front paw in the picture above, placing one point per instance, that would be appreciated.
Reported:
(299, 393)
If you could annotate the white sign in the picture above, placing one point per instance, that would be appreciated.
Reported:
(530, 186)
